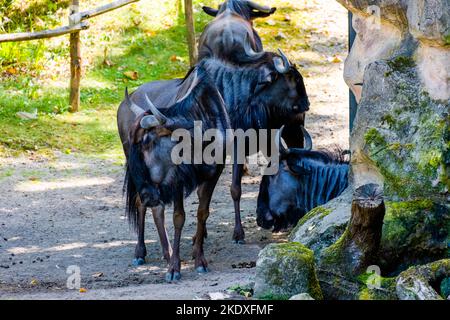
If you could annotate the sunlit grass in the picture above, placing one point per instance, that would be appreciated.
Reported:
(147, 37)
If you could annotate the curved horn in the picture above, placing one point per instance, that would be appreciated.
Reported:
(210, 11)
(194, 82)
(158, 115)
(279, 142)
(134, 107)
(308, 140)
(282, 64)
(249, 50)
(148, 122)
(259, 7)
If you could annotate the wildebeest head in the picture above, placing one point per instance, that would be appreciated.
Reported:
(285, 83)
(266, 92)
(149, 163)
(249, 10)
(152, 174)
(305, 180)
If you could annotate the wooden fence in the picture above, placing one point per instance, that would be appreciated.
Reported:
(77, 23)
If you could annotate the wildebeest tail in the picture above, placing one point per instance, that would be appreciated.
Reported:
(130, 191)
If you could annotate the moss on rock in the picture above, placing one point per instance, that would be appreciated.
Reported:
(423, 282)
(284, 270)
(414, 232)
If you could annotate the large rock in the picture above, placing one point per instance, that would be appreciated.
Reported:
(284, 270)
(414, 232)
(323, 225)
(418, 283)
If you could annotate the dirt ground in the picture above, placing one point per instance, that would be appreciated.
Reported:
(69, 211)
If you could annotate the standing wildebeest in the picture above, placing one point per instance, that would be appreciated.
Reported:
(153, 179)
(226, 34)
(306, 179)
(262, 95)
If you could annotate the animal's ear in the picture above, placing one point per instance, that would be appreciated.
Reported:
(136, 132)
(296, 167)
(266, 77)
(210, 11)
(260, 14)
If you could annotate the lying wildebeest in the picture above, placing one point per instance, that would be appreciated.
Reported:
(306, 179)
(262, 95)
(153, 179)
(226, 34)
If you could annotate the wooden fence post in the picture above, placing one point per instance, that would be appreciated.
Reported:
(189, 14)
(75, 61)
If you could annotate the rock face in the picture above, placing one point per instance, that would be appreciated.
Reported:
(399, 70)
(417, 283)
(402, 127)
(284, 270)
(323, 226)
(301, 296)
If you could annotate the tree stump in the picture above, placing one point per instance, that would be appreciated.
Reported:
(366, 223)
(342, 262)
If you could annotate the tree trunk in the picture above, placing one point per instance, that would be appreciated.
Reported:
(75, 62)
(366, 223)
(190, 26)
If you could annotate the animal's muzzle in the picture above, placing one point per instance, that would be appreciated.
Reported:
(265, 220)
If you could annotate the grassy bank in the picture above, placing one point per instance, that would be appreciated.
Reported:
(138, 43)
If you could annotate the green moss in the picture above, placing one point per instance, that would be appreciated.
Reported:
(412, 156)
(281, 282)
(373, 137)
(413, 232)
(333, 255)
(401, 63)
(318, 211)
(446, 38)
(385, 291)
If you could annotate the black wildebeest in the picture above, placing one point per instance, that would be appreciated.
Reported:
(226, 34)
(306, 179)
(153, 179)
(263, 95)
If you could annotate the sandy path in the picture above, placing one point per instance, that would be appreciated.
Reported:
(69, 210)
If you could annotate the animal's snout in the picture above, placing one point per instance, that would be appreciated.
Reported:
(149, 198)
(302, 106)
(265, 220)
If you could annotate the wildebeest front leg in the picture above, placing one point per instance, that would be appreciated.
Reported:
(204, 192)
(174, 272)
(158, 217)
(236, 191)
(140, 251)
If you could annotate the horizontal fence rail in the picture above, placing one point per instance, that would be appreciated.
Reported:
(76, 24)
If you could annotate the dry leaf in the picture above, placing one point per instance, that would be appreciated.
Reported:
(34, 282)
(133, 75)
(11, 70)
(336, 59)
(83, 290)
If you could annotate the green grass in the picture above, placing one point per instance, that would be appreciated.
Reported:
(147, 37)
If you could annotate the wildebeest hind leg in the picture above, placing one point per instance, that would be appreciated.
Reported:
(140, 251)
(236, 191)
(158, 217)
(204, 192)
(174, 272)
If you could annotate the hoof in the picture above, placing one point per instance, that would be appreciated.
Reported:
(138, 262)
(201, 269)
(239, 241)
(173, 276)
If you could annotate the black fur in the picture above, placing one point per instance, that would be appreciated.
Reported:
(205, 104)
